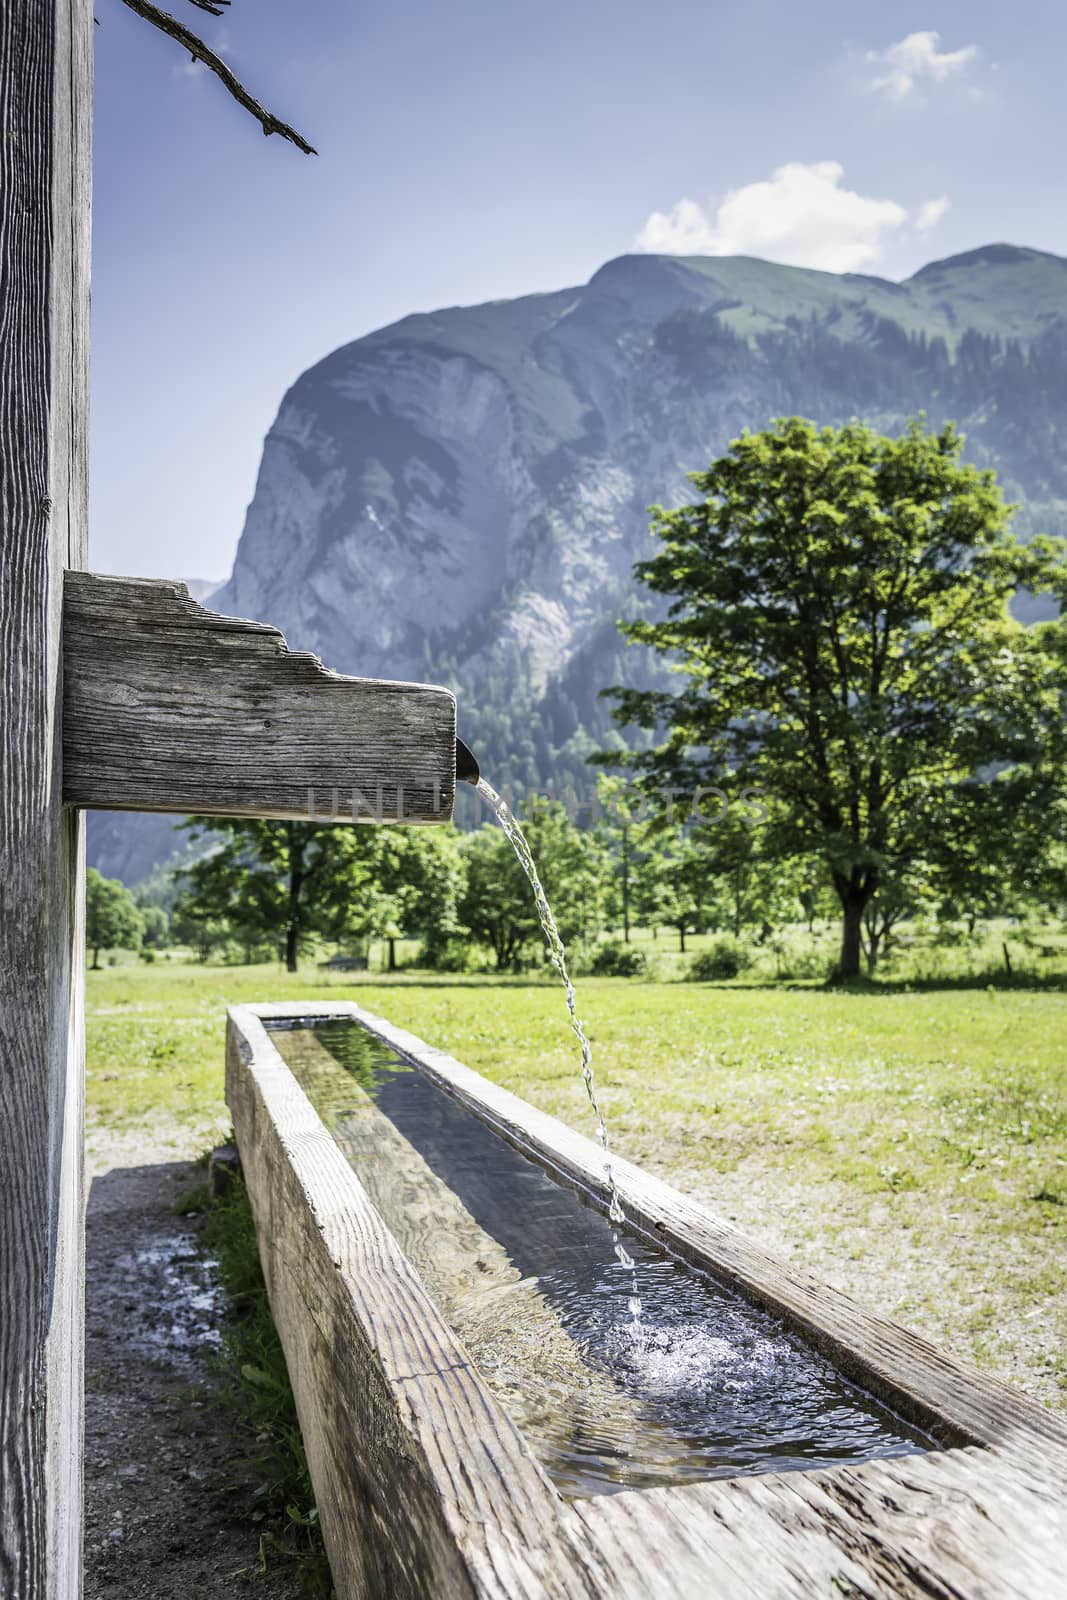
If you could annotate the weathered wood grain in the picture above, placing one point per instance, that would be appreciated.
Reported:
(45, 93)
(170, 707)
(424, 1485)
(954, 1525)
(984, 1522)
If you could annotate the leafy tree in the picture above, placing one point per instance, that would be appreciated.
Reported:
(498, 904)
(708, 874)
(741, 887)
(421, 876)
(112, 920)
(999, 843)
(621, 833)
(156, 925)
(839, 609)
(678, 880)
(814, 895)
(286, 882)
(497, 900)
(680, 884)
(207, 936)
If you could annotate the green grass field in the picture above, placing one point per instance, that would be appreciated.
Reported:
(908, 1144)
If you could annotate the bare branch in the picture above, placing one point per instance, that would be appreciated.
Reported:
(200, 52)
(216, 7)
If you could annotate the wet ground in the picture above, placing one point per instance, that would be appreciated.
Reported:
(168, 1513)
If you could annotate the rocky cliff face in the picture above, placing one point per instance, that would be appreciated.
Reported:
(462, 496)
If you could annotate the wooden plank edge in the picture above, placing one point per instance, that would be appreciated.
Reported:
(965, 1522)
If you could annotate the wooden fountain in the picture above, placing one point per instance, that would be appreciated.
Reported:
(426, 1487)
(121, 693)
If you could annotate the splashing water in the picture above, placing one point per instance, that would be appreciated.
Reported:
(558, 956)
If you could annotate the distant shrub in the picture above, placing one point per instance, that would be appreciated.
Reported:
(618, 960)
(447, 955)
(796, 963)
(724, 959)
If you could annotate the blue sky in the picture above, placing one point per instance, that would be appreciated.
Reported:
(471, 151)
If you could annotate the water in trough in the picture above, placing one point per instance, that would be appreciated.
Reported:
(702, 1385)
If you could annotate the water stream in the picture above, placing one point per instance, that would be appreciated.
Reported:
(558, 956)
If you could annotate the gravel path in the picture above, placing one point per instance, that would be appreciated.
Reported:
(166, 1513)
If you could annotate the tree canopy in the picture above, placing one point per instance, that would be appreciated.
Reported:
(498, 905)
(112, 920)
(283, 883)
(839, 612)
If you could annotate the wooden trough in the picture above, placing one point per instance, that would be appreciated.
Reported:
(426, 1488)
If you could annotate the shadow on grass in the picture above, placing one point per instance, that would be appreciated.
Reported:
(1053, 983)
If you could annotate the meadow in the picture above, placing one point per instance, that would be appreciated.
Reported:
(907, 1141)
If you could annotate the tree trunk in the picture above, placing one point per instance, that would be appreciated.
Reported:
(851, 937)
(626, 885)
(96, 961)
(681, 938)
(392, 955)
(296, 885)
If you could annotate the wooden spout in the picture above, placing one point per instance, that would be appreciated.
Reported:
(170, 707)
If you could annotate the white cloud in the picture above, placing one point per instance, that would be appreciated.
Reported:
(916, 60)
(800, 215)
(930, 213)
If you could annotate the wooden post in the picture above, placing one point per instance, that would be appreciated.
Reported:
(45, 92)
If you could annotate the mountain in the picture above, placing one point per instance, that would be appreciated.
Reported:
(137, 846)
(461, 496)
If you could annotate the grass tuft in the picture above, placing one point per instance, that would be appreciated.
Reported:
(257, 1393)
